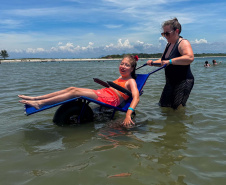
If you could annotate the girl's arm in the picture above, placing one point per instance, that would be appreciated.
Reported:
(136, 97)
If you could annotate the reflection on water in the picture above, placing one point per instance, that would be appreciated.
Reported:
(165, 147)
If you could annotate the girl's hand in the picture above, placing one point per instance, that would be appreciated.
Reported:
(128, 122)
(149, 62)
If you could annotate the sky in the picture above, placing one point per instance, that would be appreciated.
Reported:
(96, 28)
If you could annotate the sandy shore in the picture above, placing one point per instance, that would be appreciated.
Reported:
(71, 60)
(53, 60)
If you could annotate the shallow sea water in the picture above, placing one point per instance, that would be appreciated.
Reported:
(183, 147)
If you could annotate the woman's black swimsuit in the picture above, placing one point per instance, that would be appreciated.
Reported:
(179, 81)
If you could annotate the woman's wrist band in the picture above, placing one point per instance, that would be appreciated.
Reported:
(170, 61)
(131, 109)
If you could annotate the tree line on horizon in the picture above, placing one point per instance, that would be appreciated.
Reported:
(4, 54)
(159, 55)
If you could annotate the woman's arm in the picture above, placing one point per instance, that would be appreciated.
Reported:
(136, 98)
(153, 63)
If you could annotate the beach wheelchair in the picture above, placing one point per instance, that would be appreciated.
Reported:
(77, 110)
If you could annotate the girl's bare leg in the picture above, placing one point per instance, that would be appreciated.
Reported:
(46, 96)
(75, 92)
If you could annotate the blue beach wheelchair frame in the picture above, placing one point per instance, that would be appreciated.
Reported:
(77, 110)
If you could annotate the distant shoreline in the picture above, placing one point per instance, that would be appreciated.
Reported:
(77, 60)
(54, 60)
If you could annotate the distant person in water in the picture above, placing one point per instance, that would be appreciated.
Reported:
(215, 62)
(207, 64)
(109, 95)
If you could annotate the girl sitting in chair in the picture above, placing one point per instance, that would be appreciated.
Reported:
(109, 95)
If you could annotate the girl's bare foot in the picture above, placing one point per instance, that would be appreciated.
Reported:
(34, 104)
(26, 97)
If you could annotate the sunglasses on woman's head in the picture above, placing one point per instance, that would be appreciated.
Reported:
(166, 34)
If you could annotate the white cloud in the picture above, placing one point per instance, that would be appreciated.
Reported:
(126, 44)
(10, 23)
(112, 26)
(162, 43)
(142, 46)
(70, 50)
(36, 12)
(90, 46)
(69, 47)
(201, 41)
(91, 43)
(140, 42)
(37, 50)
(140, 3)
(18, 51)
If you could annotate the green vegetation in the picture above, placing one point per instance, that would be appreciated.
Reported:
(4, 54)
(210, 55)
(158, 55)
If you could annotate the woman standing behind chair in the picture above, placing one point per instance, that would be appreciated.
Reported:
(178, 56)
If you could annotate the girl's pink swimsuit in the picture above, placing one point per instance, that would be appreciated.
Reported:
(109, 96)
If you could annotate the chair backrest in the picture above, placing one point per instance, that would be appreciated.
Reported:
(141, 80)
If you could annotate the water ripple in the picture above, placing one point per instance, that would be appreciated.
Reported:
(166, 147)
